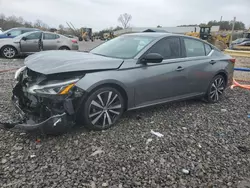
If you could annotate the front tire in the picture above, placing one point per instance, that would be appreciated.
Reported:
(216, 89)
(9, 52)
(103, 108)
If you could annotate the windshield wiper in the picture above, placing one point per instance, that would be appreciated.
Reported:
(101, 55)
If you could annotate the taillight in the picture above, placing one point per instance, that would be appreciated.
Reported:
(74, 41)
(232, 60)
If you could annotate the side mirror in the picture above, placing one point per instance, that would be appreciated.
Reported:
(8, 34)
(24, 38)
(152, 58)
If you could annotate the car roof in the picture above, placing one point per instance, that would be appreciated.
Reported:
(151, 34)
(25, 28)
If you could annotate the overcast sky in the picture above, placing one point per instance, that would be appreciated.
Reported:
(100, 14)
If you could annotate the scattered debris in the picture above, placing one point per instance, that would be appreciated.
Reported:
(223, 110)
(21, 134)
(18, 148)
(243, 148)
(38, 140)
(4, 161)
(105, 184)
(185, 171)
(98, 151)
(32, 156)
(199, 145)
(149, 140)
(156, 133)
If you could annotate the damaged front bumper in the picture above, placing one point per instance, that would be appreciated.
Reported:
(48, 113)
(46, 122)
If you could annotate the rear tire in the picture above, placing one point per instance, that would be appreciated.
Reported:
(64, 48)
(8, 52)
(102, 109)
(216, 89)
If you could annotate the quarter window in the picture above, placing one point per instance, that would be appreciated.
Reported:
(208, 48)
(194, 47)
(169, 48)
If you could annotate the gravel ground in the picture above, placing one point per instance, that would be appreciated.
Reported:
(203, 145)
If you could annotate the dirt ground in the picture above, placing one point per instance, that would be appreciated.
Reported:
(203, 145)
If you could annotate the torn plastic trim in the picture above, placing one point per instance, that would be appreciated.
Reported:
(53, 121)
(31, 122)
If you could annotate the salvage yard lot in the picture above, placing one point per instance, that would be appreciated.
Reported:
(204, 145)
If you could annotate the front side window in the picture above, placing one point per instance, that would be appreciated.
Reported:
(169, 48)
(34, 36)
(125, 47)
(49, 36)
(194, 47)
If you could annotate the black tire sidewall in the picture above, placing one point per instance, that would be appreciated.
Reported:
(86, 104)
(8, 47)
(208, 98)
(64, 48)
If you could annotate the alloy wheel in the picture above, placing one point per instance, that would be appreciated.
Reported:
(105, 109)
(217, 89)
(9, 52)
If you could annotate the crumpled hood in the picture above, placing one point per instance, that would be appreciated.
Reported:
(51, 62)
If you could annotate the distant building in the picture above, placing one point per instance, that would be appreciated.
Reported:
(177, 30)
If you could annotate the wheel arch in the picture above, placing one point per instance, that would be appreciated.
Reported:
(1, 49)
(117, 86)
(224, 74)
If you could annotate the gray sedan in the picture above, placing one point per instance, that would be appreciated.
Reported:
(58, 88)
(32, 42)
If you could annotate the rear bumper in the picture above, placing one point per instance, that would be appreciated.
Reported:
(75, 47)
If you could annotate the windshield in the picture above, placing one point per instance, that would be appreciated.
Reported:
(125, 47)
(5, 32)
(23, 35)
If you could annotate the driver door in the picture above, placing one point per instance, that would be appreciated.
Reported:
(31, 43)
(162, 81)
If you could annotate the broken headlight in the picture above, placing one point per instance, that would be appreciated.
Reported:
(61, 88)
(18, 72)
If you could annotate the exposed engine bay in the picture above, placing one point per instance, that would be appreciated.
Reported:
(46, 102)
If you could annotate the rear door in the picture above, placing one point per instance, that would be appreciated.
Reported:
(32, 43)
(199, 65)
(165, 80)
(50, 41)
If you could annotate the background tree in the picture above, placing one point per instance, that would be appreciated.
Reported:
(227, 25)
(124, 19)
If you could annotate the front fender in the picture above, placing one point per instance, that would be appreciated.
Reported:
(95, 79)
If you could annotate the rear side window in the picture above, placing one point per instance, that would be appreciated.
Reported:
(208, 48)
(194, 48)
(49, 36)
(169, 48)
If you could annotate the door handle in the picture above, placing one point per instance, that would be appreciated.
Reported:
(212, 62)
(180, 68)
